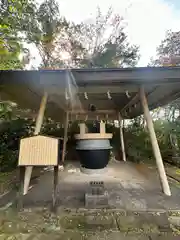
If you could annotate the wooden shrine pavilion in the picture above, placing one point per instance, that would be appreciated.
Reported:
(115, 94)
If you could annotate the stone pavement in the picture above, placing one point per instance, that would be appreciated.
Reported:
(145, 212)
(34, 224)
(127, 189)
(85, 236)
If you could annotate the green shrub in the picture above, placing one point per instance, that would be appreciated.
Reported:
(137, 141)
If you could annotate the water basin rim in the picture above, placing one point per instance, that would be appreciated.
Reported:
(93, 136)
(94, 148)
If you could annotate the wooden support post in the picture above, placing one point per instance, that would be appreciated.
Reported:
(39, 122)
(123, 123)
(55, 184)
(19, 202)
(154, 142)
(82, 127)
(122, 138)
(65, 136)
(102, 128)
(27, 178)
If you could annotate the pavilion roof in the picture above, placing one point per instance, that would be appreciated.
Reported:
(110, 90)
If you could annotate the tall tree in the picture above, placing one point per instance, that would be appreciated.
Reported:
(105, 42)
(47, 30)
(13, 14)
(168, 52)
(99, 42)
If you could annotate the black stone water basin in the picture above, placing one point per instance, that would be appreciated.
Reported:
(94, 159)
(93, 154)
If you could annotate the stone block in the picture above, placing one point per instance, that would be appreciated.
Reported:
(96, 195)
(96, 188)
(96, 200)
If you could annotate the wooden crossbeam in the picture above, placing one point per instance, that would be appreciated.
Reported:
(104, 89)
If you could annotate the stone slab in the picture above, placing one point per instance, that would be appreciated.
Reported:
(88, 222)
(85, 236)
(163, 236)
(107, 235)
(96, 200)
(74, 236)
(145, 223)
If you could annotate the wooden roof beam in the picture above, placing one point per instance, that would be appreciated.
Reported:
(132, 101)
(104, 89)
(135, 100)
(96, 112)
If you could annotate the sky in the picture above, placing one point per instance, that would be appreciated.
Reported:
(146, 20)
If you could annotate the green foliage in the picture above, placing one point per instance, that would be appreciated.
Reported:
(137, 141)
(46, 29)
(101, 42)
(10, 134)
(168, 52)
(170, 46)
(13, 15)
(105, 42)
(5, 111)
(168, 128)
(138, 145)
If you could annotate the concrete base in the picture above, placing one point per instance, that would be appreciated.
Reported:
(93, 171)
